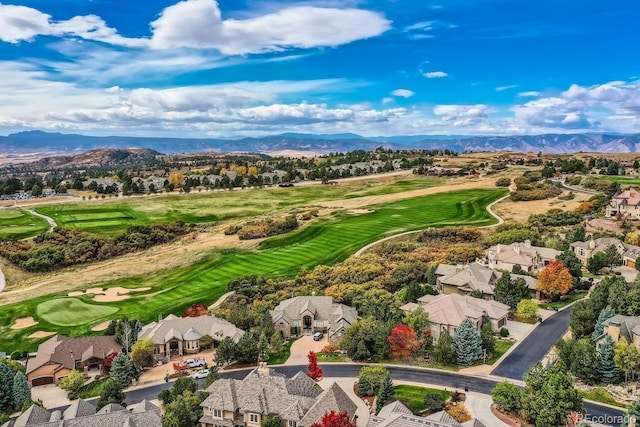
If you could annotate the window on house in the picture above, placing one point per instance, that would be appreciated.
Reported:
(254, 418)
(217, 413)
(292, 423)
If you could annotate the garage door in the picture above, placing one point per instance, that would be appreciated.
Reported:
(41, 381)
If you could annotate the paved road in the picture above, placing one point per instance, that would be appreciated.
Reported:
(534, 347)
(434, 377)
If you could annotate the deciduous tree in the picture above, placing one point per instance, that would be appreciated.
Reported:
(555, 280)
(184, 410)
(527, 308)
(111, 393)
(582, 319)
(626, 358)
(506, 396)
(402, 341)
(335, 419)
(313, 370)
(72, 383)
(444, 352)
(510, 292)
(370, 379)
(142, 353)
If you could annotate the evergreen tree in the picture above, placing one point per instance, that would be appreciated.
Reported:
(556, 400)
(385, 394)
(213, 376)
(467, 344)
(633, 411)
(263, 346)
(510, 292)
(364, 386)
(111, 393)
(605, 314)
(488, 340)
(122, 370)
(585, 362)
(609, 372)
(21, 390)
(518, 270)
(6, 389)
(277, 341)
(444, 352)
(573, 264)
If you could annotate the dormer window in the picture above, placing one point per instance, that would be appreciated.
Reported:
(217, 413)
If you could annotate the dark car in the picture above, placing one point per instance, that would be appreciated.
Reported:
(318, 336)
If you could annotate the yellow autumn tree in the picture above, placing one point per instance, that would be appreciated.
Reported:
(554, 280)
(176, 179)
(252, 171)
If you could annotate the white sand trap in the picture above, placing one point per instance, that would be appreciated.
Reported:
(95, 291)
(117, 293)
(101, 326)
(23, 322)
(41, 334)
(359, 211)
(75, 294)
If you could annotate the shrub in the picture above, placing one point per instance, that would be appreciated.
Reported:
(458, 412)
(503, 182)
(434, 402)
(504, 332)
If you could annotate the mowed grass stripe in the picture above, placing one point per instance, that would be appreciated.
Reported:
(326, 241)
(18, 223)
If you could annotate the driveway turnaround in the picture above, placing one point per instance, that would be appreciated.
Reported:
(301, 348)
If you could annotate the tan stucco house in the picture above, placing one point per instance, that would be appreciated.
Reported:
(530, 258)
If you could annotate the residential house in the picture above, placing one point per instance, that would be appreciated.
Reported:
(395, 414)
(619, 326)
(447, 312)
(585, 250)
(625, 204)
(59, 355)
(177, 336)
(298, 400)
(83, 414)
(529, 258)
(309, 314)
(474, 278)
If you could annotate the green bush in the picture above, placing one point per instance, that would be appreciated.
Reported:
(504, 332)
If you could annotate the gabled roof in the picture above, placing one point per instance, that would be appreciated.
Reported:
(79, 408)
(59, 349)
(453, 309)
(322, 307)
(629, 197)
(333, 398)
(629, 325)
(395, 414)
(471, 278)
(188, 328)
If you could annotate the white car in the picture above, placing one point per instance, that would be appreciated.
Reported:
(201, 374)
(195, 363)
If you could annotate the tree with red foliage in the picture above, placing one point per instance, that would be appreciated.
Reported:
(196, 310)
(555, 280)
(315, 371)
(335, 419)
(402, 341)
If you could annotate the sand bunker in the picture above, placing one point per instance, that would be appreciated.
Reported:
(101, 326)
(23, 322)
(75, 294)
(359, 211)
(117, 293)
(41, 334)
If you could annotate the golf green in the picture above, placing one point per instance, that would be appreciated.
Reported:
(72, 311)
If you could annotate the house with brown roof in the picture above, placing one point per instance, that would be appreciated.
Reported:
(530, 258)
(59, 355)
(177, 336)
(625, 204)
(447, 312)
(585, 250)
(619, 326)
(298, 400)
(83, 414)
(309, 314)
(395, 414)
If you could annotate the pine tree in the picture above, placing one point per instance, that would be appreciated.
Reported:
(609, 372)
(263, 346)
(605, 314)
(444, 351)
(556, 400)
(111, 393)
(6, 389)
(488, 340)
(121, 370)
(385, 394)
(467, 344)
(21, 390)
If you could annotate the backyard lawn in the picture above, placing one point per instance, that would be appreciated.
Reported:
(413, 396)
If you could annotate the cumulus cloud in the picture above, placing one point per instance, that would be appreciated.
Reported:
(457, 112)
(21, 23)
(435, 74)
(403, 93)
(199, 24)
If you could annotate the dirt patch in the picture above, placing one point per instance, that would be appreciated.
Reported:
(24, 322)
(512, 211)
(41, 334)
(116, 294)
(359, 211)
(601, 224)
(101, 326)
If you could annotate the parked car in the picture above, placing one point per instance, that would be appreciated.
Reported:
(204, 373)
(195, 363)
(318, 336)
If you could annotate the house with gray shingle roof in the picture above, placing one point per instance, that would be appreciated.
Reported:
(619, 326)
(474, 278)
(585, 250)
(309, 314)
(181, 335)
(299, 400)
(395, 414)
(83, 414)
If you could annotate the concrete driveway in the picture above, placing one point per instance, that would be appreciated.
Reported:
(518, 330)
(302, 346)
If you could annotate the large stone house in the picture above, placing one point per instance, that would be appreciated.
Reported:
(298, 400)
(625, 204)
(585, 250)
(59, 355)
(447, 312)
(308, 314)
(619, 326)
(177, 336)
(395, 414)
(83, 414)
(529, 258)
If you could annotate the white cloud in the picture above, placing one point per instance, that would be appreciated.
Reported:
(507, 87)
(529, 94)
(403, 93)
(435, 74)
(423, 26)
(199, 24)
(21, 23)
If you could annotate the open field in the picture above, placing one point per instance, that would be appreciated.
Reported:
(71, 311)
(325, 241)
(17, 223)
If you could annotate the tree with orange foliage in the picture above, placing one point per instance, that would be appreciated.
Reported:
(402, 341)
(335, 419)
(554, 280)
(196, 310)
(315, 371)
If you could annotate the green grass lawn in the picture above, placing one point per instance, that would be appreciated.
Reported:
(72, 311)
(601, 395)
(115, 215)
(93, 389)
(413, 396)
(622, 179)
(564, 302)
(18, 223)
(326, 241)
(279, 357)
(500, 349)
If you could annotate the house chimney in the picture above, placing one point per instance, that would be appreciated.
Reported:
(516, 248)
(592, 244)
(498, 248)
(527, 243)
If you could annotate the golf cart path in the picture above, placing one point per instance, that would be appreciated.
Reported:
(52, 223)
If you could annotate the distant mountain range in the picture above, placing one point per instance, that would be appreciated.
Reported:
(37, 141)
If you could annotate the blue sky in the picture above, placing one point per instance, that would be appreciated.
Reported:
(205, 68)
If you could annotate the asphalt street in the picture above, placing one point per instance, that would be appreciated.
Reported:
(534, 347)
